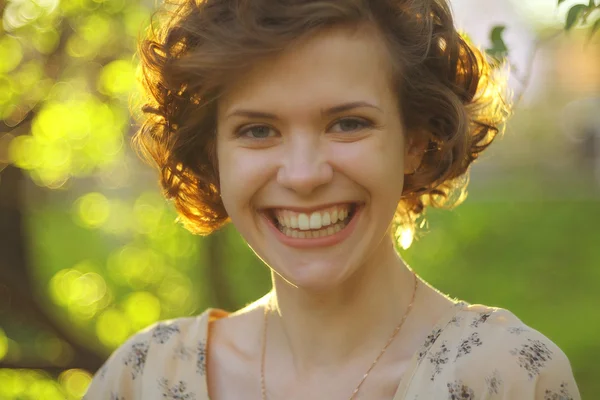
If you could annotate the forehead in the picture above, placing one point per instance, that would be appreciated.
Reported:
(330, 67)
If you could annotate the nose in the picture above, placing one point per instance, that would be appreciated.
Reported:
(304, 167)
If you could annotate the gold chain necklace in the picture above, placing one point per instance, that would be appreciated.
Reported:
(355, 392)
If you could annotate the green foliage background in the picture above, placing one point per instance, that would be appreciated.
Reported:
(108, 259)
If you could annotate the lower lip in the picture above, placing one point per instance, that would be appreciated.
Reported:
(330, 240)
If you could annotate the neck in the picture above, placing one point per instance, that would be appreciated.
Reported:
(330, 328)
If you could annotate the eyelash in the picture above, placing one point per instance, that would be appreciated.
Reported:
(241, 132)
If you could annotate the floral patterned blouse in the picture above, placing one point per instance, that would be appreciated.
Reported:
(473, 352)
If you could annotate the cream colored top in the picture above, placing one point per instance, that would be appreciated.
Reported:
(473, 352)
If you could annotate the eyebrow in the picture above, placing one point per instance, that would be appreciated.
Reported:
(330, 111)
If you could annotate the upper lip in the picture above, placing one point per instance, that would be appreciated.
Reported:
(310, 208)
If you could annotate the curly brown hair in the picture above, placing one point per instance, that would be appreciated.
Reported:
(445, 87)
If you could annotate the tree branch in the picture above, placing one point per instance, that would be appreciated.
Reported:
(14, 267)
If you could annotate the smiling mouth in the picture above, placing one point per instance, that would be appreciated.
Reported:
(313, 225)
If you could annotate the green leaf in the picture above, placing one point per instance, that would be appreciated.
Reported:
(498, 54)
(573, 15)
(560, 1)
(592, 4)
(496, 33)
(498, 49)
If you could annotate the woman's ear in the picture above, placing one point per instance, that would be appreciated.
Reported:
(416, 144)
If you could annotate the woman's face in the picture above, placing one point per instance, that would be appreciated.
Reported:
(312, 155)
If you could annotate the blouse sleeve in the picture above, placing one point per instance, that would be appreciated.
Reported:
(166, 360)
(556, 380)
(120, 378)
(489, 354)
(514, 361)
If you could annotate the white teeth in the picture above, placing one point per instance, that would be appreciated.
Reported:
(313, 233)
(326, 218)
(303, 222)
(315, 220)
(334, 216)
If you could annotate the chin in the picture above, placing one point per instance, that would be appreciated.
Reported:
(314, 276)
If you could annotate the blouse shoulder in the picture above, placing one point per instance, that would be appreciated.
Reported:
(488, 352)
(145, 362)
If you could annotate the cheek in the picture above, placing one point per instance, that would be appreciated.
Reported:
(373, 163)
(242, 173)
(228, 168)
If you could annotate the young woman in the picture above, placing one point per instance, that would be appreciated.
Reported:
(316, 127)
